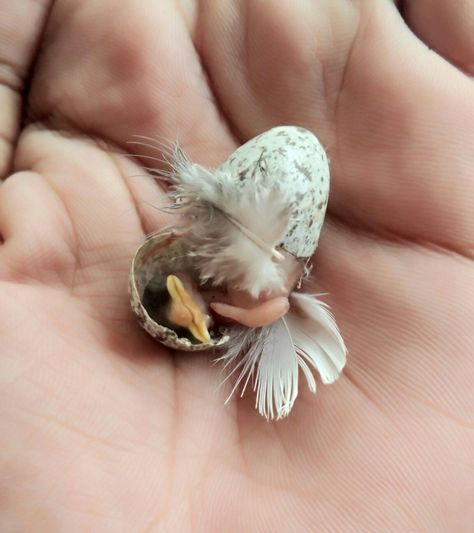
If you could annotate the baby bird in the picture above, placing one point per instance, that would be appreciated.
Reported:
(178, 306)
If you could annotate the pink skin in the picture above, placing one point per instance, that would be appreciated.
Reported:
(267, 308)
(262, 315)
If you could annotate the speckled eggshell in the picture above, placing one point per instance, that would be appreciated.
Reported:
(156, 257)
(293, 156)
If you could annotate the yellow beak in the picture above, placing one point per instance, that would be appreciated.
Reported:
(184, 311)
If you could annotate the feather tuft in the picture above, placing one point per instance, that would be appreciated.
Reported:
(235, 230)
(276, 383)
(270, 357)
(316, 336)
(270, 362)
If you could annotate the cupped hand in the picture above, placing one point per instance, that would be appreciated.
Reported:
(105, 430)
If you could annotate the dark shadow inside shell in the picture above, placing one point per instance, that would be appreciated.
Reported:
(158, 256)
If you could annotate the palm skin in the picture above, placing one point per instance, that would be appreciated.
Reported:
(105, 430)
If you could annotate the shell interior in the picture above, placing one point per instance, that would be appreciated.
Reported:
(161, 254)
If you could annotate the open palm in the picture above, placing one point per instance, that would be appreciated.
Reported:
(105, 430)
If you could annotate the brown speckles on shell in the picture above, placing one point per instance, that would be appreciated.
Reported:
(304, 170)
(295, 159)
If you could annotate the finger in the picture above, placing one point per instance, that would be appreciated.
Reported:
(403, 157)
(21, 25)
(137, 82)
(447, 27)
(285, 60)
(74, 212)
(34, 228)
(397, 120)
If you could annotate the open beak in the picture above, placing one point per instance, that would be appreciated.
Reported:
(185, 312)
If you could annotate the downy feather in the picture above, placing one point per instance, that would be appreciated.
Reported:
(270, 357)
(265, 356)
(235, 230)
(276, 382)
(316, 336)
(248, 341)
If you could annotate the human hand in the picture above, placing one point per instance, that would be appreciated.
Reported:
(105, 430)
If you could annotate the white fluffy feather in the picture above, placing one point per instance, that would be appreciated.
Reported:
(276, 383)
(270, 362)
(307, 337)
(316, 336)
(234, 230)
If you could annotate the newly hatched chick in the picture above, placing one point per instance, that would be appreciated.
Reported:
(175, 303)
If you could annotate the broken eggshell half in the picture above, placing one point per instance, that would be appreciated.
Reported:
(161, 254)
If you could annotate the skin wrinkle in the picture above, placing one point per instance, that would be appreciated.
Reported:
(133, 200)
(341, 90)
(91, 438)
(364, 392)
(15, 271)
(207, 76)
(332, 96)
(247, 436)
(11, 76)
(72, 243)
(278, 427)
(34, 516)
(8, 130)
(15, 73)
(446, 31)
(199, 42)
(387, 236)
(196, 499)
(5, 140)
(173, 441)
